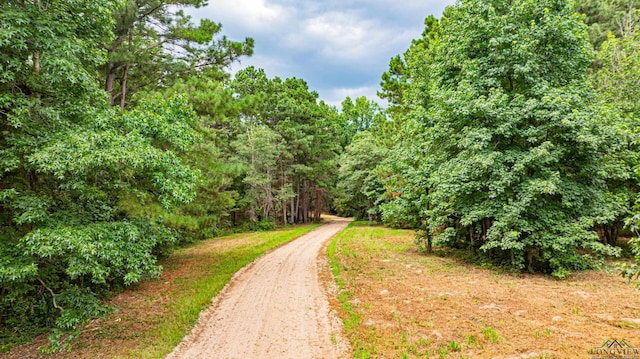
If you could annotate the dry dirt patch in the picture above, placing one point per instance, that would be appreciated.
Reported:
(415, 305)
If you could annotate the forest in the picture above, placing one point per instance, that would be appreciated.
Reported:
(511, 131)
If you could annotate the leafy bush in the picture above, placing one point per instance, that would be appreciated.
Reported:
(631, 271)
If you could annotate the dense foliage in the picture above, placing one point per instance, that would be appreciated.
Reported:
(73, 169)
(123, 135)
(287, 147)
(522, 178)
(508, 137)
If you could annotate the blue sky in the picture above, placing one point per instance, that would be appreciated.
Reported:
(340, 48)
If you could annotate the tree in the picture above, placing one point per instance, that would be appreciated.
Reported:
(218, 125)
(359, 189)
(308, 129)
(78, 181)
(153, 45)
(394, 84)
(400, 83)
(617, 79)
(359, 116)
(617, 83)
(405, 172)
(359, 186)
(517, 168)
(607, 16)
(258, 149)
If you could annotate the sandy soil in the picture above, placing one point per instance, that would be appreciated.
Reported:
(416, 306)
(273, 308)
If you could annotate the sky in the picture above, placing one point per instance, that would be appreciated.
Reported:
(340, 47)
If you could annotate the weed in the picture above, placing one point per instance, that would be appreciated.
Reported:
(423, 342)
(396, 317)
(352, 319)
(627, 325)
(454, 346)
(490, 334)
(471, 340)
(575, 310)
(546, 355)
(413, 322)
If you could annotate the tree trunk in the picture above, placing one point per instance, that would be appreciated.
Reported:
(284, 201)
(428, 230)
(109, 81)
(292, 212)
(306, 203)
(293, 178)
(318, 204)
(298, 195)
(610, 233)
(472, 236)
(125, 76)
(269, 199)
(123, 90)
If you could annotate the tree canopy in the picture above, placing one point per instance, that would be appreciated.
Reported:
(502, 144)
(510, 132)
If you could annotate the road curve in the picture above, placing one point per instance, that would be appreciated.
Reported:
(273, 308)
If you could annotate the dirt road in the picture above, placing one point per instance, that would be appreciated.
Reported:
(273, 308)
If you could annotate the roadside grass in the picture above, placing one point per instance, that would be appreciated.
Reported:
(398, 303)
(350, 318)
(154, 317)
(364, 342)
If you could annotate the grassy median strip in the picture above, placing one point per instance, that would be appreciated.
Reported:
(152, 319)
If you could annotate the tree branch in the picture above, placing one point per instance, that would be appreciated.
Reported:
(53, 295)
(151, 11)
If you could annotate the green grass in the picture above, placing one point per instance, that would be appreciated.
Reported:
(490, 334)
(195, 295)
(454, 346)
(627, 325)
(364, 343)
(352, 319)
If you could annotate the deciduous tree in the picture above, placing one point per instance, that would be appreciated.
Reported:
(517, 156)
(77, 178)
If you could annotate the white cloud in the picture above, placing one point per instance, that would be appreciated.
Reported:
(340, 47)
(344, 36)
(252, 15)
